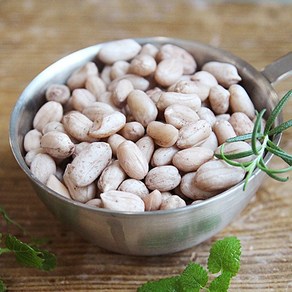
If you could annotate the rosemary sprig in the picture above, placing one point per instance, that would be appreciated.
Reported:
(261, 143)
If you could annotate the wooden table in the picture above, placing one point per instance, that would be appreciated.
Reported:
(35, 33)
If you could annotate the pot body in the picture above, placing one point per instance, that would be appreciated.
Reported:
(148, 233)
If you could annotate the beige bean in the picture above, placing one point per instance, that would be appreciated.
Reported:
(107, 125)
(111, 177)
(171, 51)
(219, 99)
(190, 87)
(32, 140)
(154, 94)
(121, 91)
(163, 178)
(119, 69)
(164, 135)
(97, 110)
(80, 194)
(168, 98)
(125, 49)
(42, 166)
(57, 144)
(211, 142)
(224, 117)
(168, 71)
(114, 141)
(143, 65)
(206, 114)
(78, 78)
(31, 154)
(77, 125)
(149, 49)
(152, 201)
(49, 112)
(142, 107)
(95, 85)
(82, 98)
(105, 74)
(58, 92)
(215, 175)
(54, 184)
(89, 163)
(132, 131)
(106, 97)
(240, 101)
(132, 160)
(180, 115)
(96, 202)
(236, 147)
(205, 78)
(193, 134)
(138, 82)
(223, 130)
(122, 201)
(241, 123)
(191, 159)
(147, 146)
(79, 147)
(53, 126)
(225, 73)
(163, 156)
(172, 202)
(134, 186)
(189, 188)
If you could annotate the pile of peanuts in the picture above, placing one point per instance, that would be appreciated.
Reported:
(139, 133)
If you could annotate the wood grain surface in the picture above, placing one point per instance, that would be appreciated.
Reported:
(35, 33)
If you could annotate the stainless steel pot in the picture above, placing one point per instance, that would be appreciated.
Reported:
(157, 232)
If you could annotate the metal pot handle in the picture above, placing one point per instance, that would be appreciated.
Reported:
(279, 69)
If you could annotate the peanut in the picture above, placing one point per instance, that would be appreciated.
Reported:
(82, 98)
(32, 140)
(240, 101)
(152, 201)
(132, 160)
(219, 99)
(122, 201)
(163, 155)
(225, 73)
(54, 184)
(89, 163)
(142, 107)
(180, 115)
(49, 112)
(146, 145)
(217, 175)
(223, 130)
(172, 202)
(118, 50)
(164, 135)
(134, 186)
(241, 123)
(193, 134)
(163, 178)
(58, 92)
(42, 166)
(191, 159)
(143, 65)
(132, 131)
(57, 144)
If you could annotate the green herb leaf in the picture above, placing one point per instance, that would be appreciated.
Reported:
(9, 220)
(28, 256)
(225, 256)
(280, 153)
(278, 108)
(281, 128)
(193, 278)
(256, 131)
(221, 283)
(2, 286)
(163, 285)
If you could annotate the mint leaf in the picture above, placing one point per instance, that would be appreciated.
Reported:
(29, 256)
(9, 220)
(162, 285)
(225, 256)
(221, 283)
(2, 286)
(193, 278)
